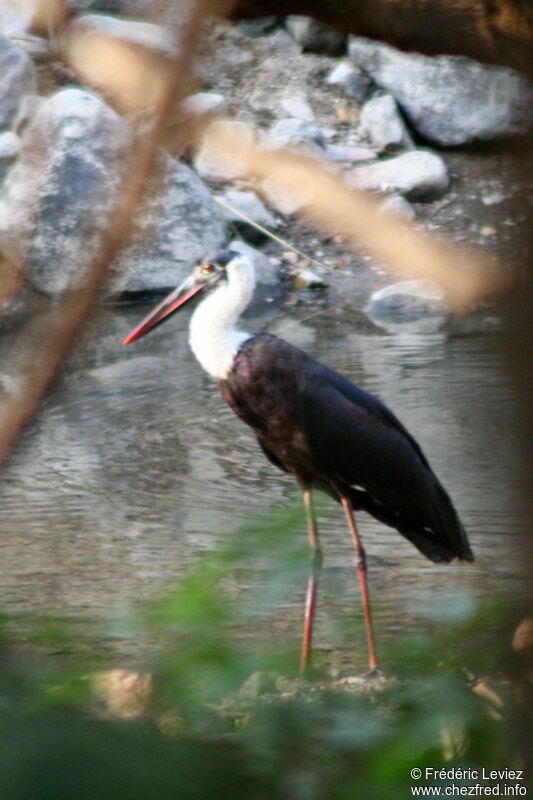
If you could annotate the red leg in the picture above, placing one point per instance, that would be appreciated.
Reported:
(362, 576)
(312, 583)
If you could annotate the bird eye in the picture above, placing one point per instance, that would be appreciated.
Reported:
(208, 268)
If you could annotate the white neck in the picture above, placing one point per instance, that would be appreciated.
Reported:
(213, 337)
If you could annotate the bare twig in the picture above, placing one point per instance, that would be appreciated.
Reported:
(57, 332)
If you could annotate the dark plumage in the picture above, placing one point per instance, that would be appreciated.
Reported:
(332, 435)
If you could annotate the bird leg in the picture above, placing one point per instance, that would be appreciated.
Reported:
(312, 583)
(362, 576)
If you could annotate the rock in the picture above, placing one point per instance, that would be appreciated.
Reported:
(57, 198)
(307, 279)
(277, 100)
(316, 37)
(298, 107)
(204, 103)
(283, 42)
(19, 77)
(291, 132)
(398, 205)
(15, 18)
(449, 100)
(252, 207)
(37, 48)
(143, 34)
(9, 148)
(287, 199)
(346, 153)
(258, 27)
(177, 224)
(417, 305)
(127, 62)
(418, 174)
(28, 107)
(350, 80)
(61, 189)
(212, 161)
(381, 123)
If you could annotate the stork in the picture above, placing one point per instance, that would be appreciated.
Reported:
(315, 424)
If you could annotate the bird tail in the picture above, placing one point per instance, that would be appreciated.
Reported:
(440, 537)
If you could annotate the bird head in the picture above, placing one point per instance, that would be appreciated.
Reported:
(206, 275)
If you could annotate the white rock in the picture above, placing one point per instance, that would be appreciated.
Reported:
(9, 146)
(350, 80)
(417, 174)
(341, 74)
(249, 204)
(339, 152)
(291, 131)
(307, 279)
(398, 205)
(297, 106)
(146, 34)
(204, 103)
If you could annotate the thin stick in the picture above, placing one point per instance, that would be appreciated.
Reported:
(279, 239)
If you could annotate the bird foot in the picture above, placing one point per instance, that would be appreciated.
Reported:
(373, 672)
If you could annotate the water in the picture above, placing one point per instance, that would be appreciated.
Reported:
(135, 466)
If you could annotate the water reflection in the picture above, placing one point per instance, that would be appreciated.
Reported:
(135, 465)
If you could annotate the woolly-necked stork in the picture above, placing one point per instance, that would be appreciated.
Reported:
(315, 424)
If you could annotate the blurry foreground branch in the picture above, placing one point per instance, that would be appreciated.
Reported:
(326, 200)
(57, 332)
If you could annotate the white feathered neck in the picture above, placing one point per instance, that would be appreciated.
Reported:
(212, 336)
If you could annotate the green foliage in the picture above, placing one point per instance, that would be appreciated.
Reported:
(228, 715)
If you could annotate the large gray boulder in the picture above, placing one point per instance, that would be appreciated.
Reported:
(57, 199)
(58, 195)
(178, 223)
(449, 100)
(18, 77)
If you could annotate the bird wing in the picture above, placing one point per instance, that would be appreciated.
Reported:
(354, 439)
(360, 443)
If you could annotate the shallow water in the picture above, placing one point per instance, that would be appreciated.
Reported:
(135, 465)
